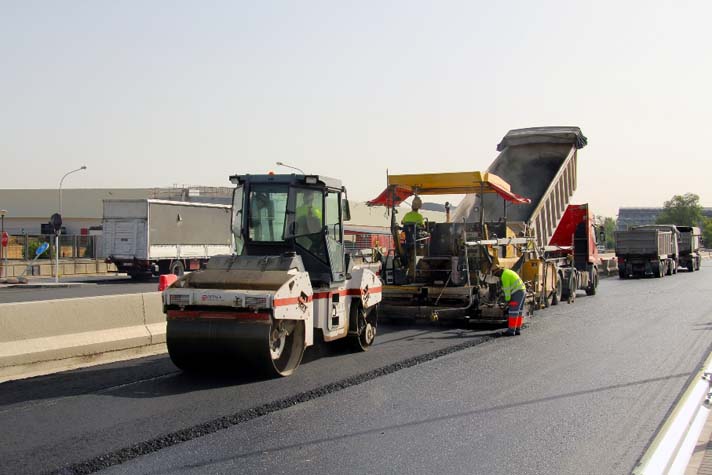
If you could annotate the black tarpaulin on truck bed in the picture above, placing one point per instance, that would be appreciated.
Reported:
(548, 135)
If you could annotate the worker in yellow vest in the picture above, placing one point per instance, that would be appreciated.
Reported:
(413, 216)
(514, 293)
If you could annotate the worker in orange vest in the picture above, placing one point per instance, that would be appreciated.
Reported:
(514, 293)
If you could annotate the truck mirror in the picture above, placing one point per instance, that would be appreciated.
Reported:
(345, 210)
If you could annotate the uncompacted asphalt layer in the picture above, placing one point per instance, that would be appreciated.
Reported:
(582, 390)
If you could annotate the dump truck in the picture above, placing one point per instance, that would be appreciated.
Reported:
(288, 282)
(645, 251)
(673, 256)
(573, 247)
(689, 248)
(539, 164)
(145, 237)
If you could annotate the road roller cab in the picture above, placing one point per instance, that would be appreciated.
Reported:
(288, 278)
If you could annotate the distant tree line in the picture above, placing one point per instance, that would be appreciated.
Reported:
(681, 210)
(685, 210)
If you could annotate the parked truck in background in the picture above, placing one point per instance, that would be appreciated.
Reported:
(689, 243)
(645, 251)
(147, 237)
(674, 255)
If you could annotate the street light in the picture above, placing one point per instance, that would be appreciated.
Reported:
(56, 236)
(3, 212)
(282, 164)
(83, 167)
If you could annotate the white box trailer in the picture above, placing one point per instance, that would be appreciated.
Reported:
(150, 237)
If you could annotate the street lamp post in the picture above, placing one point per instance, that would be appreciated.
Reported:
(3, 272)
(282, 164)
(59, 231)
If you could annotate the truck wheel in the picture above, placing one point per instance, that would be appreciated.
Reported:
(556, 297)
(591, 289)
(365, 321)
(177, 268)
(656, 268)
(573, 285)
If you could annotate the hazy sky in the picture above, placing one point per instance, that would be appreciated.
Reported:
(155, 93)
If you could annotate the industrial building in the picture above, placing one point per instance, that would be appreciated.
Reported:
(630, 216)
(29, 211)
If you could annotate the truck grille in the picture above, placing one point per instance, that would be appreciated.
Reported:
(255, 302)
(180, 300)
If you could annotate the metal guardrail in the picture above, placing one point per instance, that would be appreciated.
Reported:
(670, 451)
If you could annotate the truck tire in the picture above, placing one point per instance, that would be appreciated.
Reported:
(177, 268)
(573, 285)
(591, 289)
(656, 268)
(556, 296)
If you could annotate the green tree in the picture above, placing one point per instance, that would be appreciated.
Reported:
(707, 234)
(609, 229)
(682, 210)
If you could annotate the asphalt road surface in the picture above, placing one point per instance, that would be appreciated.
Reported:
(582, 390)
(92, 287)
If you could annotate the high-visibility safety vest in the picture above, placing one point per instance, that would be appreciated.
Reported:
(511, 282)
(413, 217)
(308, 211)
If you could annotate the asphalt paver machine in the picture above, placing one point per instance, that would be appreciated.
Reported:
(443, 271)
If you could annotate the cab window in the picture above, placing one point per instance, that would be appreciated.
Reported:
(268, 207)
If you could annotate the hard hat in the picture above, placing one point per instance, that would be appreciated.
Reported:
(417, 203)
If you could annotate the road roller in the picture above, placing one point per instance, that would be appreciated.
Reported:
(288, 282)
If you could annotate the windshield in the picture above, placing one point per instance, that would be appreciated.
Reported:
(268, 207)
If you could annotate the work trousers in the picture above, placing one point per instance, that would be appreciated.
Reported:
(515, 307)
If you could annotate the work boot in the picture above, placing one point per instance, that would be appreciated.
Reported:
(517, 331)
(509, 332)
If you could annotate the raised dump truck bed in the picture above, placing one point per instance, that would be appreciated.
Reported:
(539, 163)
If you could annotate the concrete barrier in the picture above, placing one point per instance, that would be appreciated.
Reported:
(39, 337)
(609, 266)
